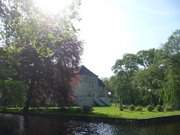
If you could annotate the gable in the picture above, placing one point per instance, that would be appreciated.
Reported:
(85, 71)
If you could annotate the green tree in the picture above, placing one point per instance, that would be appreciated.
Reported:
(149, 83)
(150, 76)
(146, 57)
(45, 51)
(171, 61)
(124, 69)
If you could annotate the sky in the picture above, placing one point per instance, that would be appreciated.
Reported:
(112, 28)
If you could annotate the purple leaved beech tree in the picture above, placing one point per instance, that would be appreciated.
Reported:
(43, 50)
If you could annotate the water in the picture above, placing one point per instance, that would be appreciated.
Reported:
(18, 125)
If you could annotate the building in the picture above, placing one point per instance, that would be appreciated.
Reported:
(89, 89)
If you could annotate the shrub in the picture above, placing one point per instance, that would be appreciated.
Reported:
(150, 108)
(159, 108)
(131, 107)
(168, 108)
(125, 107)
(139, 108)
(86, 108)
(121, 108)
(63, 109)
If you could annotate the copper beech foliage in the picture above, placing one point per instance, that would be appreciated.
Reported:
(43, 50)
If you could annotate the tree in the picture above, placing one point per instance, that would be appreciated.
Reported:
(146, 57)
(149, 83)
(124, 69)
(150, 76)
(172, 46)
(171, 87)
(45, 54)
(12, 92)
(127, 64)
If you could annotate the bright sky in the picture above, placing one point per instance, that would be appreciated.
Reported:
(111, 28)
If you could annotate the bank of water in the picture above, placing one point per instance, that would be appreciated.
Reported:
(36, 125)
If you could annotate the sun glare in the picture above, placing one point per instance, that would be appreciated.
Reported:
(52, 6)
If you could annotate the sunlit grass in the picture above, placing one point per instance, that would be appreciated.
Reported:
(105, 112)
(114, 112)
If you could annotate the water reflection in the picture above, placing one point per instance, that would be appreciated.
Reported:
(19, 125)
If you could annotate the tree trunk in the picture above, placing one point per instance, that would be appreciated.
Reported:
(28, 97)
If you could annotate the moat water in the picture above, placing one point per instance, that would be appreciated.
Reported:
(33, 125)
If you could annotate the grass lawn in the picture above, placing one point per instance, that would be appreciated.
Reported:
(113, 112)
(107, 112)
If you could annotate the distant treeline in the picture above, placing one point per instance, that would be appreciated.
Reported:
(149, 76)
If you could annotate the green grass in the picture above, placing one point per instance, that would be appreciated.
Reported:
(113, 112)
(105, 112)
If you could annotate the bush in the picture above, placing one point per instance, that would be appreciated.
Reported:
(86, 109)
(121, 108)
(64, 109)
(139, 108)
(125, 107)
(131, 107)
(150, 108)
(168, 108)
(159, 108)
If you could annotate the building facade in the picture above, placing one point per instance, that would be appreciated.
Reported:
(89, 89)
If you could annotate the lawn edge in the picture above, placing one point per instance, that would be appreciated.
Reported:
(96, 119)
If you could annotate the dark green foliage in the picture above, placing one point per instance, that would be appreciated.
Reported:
(87, 109)
(121, 107)
(125, 106)
(149, 76)
(131, 107)
(168, 108)
(150, 108)
(139, 108)
(12, 93)
(40, 54)
(159, 108)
